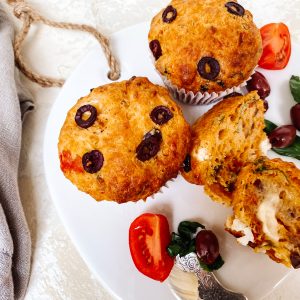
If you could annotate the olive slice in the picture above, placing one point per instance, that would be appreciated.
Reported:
(161, 115)
(92, 162)
(235, 8)
(156, 49)
(208, 68)
(80, 121)
(149, 146)
(169, 14)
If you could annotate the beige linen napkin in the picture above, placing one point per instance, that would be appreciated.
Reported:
(15, 244)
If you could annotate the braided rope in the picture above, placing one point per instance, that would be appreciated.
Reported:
(28, 16)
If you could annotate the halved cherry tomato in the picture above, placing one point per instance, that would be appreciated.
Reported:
(276, 42)
(149, 236)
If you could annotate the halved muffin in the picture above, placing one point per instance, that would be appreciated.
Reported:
(266, 207)
(223, 140)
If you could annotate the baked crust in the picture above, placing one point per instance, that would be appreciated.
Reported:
(255, 183)
(123, 120)
(206, 29)
(223, 140)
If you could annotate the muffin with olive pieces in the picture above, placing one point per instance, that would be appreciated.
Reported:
(204, 50)
(123, 141)
(266, 206)
(223, 140)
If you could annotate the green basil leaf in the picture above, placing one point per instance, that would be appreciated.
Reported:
(187, 228)
(291, 151)
(295, 87)
(191, 247)
(174, 249)
(269, 126)
(215, 266)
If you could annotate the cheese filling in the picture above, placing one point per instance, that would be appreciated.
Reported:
(202, 154)
(239, 226)
(265, 146)
(267, 215)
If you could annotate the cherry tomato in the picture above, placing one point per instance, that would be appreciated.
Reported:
(149, 237)
(276, 42)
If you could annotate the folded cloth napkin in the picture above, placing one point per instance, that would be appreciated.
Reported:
(15, 244)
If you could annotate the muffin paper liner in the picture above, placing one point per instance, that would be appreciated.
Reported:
(200, 98)
(160, 191)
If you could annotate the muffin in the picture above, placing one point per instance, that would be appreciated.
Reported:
(266, 206)
(123, 141)
(204, 50)
(223, 140)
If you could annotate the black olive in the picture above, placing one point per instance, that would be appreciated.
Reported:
(259, 83)
(207, 246)
(149, 146)
(169, 14)
(92, 162)
(235, 8)
(80, 114)
(161, 115)
(156, 49)
(282, 136)
(295, 115)
(295, 260)
(234, 94)
(208, 68)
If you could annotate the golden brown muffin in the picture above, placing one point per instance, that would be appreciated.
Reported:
(223, 140)
(205, 46)
(266, 206)
(123, 141)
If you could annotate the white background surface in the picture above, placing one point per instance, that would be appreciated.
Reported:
(57, 270)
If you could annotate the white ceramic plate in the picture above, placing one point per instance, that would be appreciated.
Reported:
(100, 230)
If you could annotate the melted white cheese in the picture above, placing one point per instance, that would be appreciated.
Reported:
(265, 146)
(202, 154)
(239, 226)
(267, 215)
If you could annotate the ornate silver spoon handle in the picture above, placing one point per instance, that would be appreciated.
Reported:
(209, 287)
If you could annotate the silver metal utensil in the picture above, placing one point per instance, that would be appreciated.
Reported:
(209, 287)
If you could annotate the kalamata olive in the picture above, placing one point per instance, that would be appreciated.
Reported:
(92, 161)
(208, 68)
(295, 260)
(149, 146)
(259, 83)
(187, 164)
(235, 8)
(266, 105)
(207, 246)
(282, 136)
(295, 115)
(80, 114)
(161, 115)
(156, 49)
(169, 14)
(233, 94)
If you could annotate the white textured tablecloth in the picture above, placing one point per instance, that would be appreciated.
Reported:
(58, 272)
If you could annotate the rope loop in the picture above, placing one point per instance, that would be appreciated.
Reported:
(28, 15)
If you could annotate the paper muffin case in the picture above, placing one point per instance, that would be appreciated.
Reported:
(160, 191)
(200, 98)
